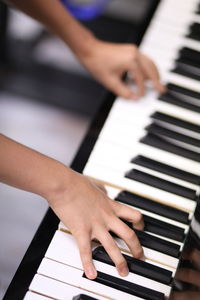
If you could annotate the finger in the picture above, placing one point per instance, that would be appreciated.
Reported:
(120, 88)
(84, 244)
(138, 77)
(129, 236)
(129, 214)
(151, 72)
(113, 251)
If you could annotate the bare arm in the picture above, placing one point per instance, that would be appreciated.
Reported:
(107, 62)
(58, 20)
(79, 203)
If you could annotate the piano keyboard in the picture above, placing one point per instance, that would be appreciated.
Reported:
(147, 156)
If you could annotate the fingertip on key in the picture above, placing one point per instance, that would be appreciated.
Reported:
(124, 271)
(91, 273)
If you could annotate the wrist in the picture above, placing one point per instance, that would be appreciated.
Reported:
(58, 182)
(83, 47)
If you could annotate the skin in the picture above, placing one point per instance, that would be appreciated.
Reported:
(107, 62)
(189, 275)
(81, 204)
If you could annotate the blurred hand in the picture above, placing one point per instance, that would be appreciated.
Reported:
(189, 276)
(108, 62)
(89, 214)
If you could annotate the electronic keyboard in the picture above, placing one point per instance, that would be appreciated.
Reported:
(147, 155)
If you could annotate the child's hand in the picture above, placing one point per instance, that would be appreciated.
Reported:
(107, 62)
(89, 214)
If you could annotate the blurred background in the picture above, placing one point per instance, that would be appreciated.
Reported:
(47, 101)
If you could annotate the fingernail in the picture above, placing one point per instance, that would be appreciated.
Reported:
(124, 271)
(91, 273)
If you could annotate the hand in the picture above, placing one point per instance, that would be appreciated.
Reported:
(191, 276)
(89, 214)
(108, 62)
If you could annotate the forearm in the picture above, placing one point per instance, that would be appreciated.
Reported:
(30, 170)
(57, 19)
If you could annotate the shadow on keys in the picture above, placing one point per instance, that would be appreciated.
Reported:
(187, 283)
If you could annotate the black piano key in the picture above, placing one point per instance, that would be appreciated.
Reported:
(191, 54)
(83, 297)
(154, 243)
(161, 131)
(161, 184)
(193, 66)
(190, 62)
(198, 9)
(186, 70)
(136, 266)
(158, 244)
(163, 229)
(165, 169)
(127, 287)
(196, 27)
(179, 89)
(152, 206)
(194, 32)
(158, 142)
(174, 121)
(152, 225)
(171, 99)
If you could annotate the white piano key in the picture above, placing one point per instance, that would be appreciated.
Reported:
(180, 18)
(125, 149)
(34, 296)
(181, 80)
(74, 260)
(152, 255)
(178, 112)
(166, 8)
(123, 129)
(130, 115)
(178, 129)
(180, 244)
(127, 133)
(123, 165)
(112, 192)
(165, 177)
(172, 159)
(66, 244)
(60, 237)
(73, 276)
(181, 29)
(161, 218)
(173, 44)
(131, 124)
(57, 290)
(112, 195)
(181, 144)
(139, 112)
(112, 177)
